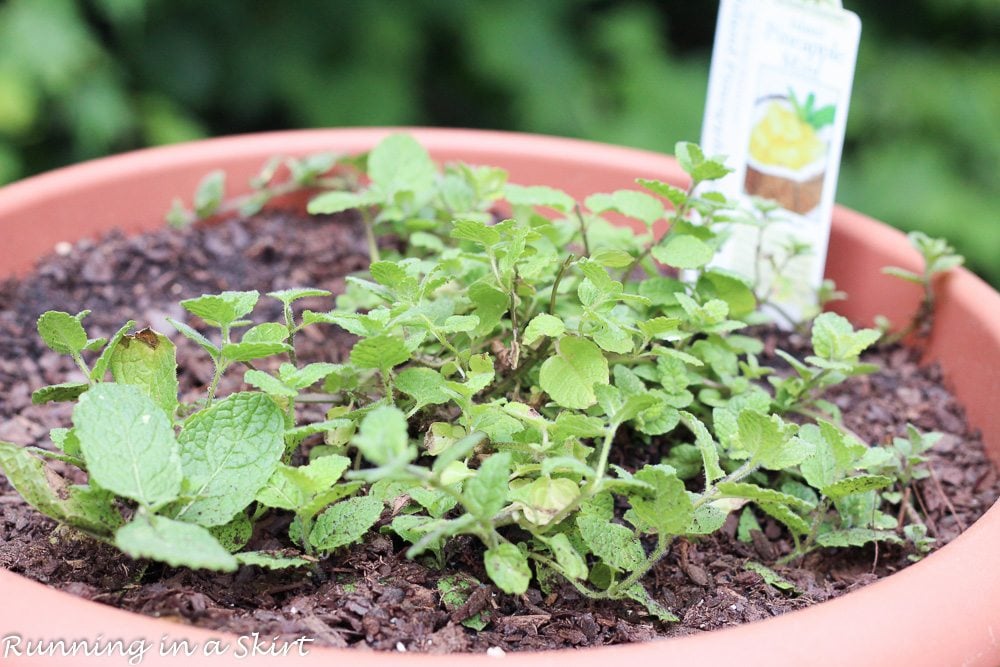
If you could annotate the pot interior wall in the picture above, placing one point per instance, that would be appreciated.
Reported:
(133, 191)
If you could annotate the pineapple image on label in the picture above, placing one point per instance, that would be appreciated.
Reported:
(787, 155)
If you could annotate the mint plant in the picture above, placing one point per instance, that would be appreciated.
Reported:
(938, 258)
(498, 364)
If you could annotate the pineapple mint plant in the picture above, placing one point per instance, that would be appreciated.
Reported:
(497, 365)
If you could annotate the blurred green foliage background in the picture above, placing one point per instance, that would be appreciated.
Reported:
(79, 79)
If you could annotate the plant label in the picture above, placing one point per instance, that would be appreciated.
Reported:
(778, 95)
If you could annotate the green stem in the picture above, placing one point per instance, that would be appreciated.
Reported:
(369, 224)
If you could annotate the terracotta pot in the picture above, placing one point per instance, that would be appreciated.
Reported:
(944, 610)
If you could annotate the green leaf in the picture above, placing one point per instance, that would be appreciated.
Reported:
(508, 568)
(223, 309)
(612, 258)
(337, 201)
(345, 522)
(768, 440)
(491, 305)
(399, 164)
(383, 437)
(543, 324)
(486, 494)
(477, 232)
(569, 376)
(249, 351)
(288, 296)
(175, 543)
(760, 494)
(101, 365)
(856, 537)
(857, 484)
(787, 516)
(543, 499)
(382, 352)
(568, 558)
(228, 452)
(653, 608)
(59, 393)
(268, 332)
(129, 445)
(731, 288)
(706, 447)
(52, 495)
(272, 561)
(613, 543)
(669, 510)
(208, 196)
(834, 338)
(770, 577)
(631, 203)
(424, 385)
(683, 251)
(62, 332)
(195, 336)
(148, 360)
(538, 195)
(234, 535)
(308, 375)
(286, 488)
(268, 384)
(455, 591)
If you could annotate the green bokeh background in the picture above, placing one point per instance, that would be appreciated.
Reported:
(80, 79)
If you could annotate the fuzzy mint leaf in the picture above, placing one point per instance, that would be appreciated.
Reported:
(768, 440)
(630, 203)
(857, 484)
(835, 339)
(508, 568)
(289, 296)
(613, 543)
(59, 393)
(249, 351)
(222, 309)
(706, 447)
(612, 258)
(268, 384)
(669, 510)
(383, 437)
(104, 361)
(196, 337)
(568, 558)
(486, 494)
(271, 561)
(208, 196)
(338, 201)
(400, 164)
(539, 195)
(424, 385)
(761, 494)
(856, 537)
(148, 360)
(382, 352)
(128, 443)
(477, 232)
(683, 251)
(345, 523)
(570, 375)
(175, 543)
(79, 506)
(62, 332)
(541, 325)
(228, 452)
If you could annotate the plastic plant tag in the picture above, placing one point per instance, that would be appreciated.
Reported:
(778, 95)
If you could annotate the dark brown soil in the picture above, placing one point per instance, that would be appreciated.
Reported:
(370, 595)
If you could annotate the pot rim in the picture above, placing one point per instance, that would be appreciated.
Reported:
(950, 600)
